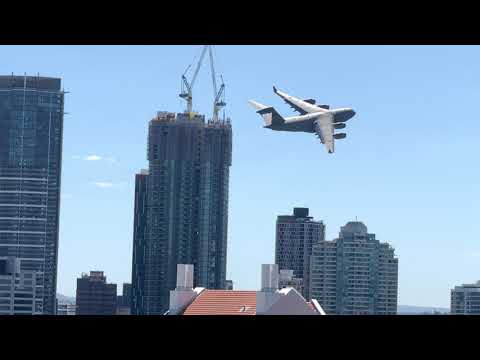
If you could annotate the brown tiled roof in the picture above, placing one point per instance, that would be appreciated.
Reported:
(223, 302)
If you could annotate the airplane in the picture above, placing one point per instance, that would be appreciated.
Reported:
(318, 119)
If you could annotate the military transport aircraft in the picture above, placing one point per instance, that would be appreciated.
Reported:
(318, 119)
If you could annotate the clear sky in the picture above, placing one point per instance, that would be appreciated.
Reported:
(408, 167)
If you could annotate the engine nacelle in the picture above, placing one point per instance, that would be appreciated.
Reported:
(326, 107)
(340, 136)
(339, 125)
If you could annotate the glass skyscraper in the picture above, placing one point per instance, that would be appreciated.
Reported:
(181, 208)
(31, 127)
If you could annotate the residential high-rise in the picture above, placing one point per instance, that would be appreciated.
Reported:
(138, 259)
(355, 274)
(17, 288)
(465, 299)
(323, 274)
(95, 296)
(65, 305)
(124, 301)
(66, 308)
(181, 207)
(295, 236)
(31, 130)
(127, 294)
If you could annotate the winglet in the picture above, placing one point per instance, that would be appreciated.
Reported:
(274, 89)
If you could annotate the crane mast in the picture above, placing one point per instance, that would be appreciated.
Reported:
(218, 97)
(187, 87)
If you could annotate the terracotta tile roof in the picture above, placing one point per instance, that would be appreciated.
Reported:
(223, 302)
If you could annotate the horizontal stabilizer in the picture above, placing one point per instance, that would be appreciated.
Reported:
(271, 116)
(257, 105)
(340, 136)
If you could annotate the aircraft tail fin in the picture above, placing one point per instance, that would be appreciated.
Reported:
(269, 114)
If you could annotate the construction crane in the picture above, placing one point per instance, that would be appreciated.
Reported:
(219, 97)
(186, 91)
(187, 88)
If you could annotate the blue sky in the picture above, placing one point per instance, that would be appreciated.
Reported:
(408, 167)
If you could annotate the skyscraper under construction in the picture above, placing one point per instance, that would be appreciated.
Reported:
(181, 207)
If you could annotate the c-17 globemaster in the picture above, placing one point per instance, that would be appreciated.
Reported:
(318, 119)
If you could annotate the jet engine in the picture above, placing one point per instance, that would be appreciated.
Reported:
(340, 136)
(339, 125)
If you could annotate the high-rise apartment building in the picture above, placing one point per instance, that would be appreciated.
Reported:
(295, 236)
(465, 299)
(66, 308)
(17, 288)
(355, 274)
(138, 258)
(124, 301)
(126, 294)
(31, 130)
(181, 208)
(95, 296)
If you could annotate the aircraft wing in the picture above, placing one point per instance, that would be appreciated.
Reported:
(324, 130)
(302, 106)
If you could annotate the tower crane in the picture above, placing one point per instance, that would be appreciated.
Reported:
(187, 87)
(219, 97)
(186, 91)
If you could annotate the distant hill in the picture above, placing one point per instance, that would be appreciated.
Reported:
(62, 299)
(420, 310)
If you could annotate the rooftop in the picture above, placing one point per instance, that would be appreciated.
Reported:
(229, 302)
(223, 302)
(469, 286)
(186, 300)
(29, 82)
(357, 227)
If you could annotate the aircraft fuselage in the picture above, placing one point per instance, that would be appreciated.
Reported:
(305, 123)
